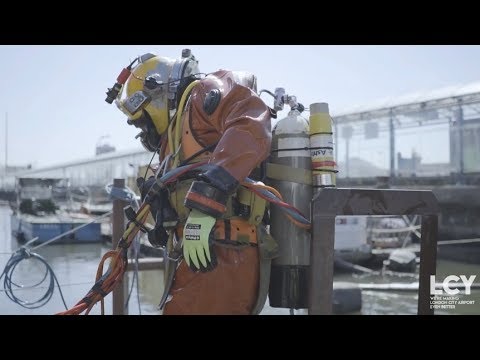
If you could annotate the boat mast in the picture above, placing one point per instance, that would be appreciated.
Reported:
(6, 142)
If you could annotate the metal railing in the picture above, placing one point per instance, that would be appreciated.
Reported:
(330, 202)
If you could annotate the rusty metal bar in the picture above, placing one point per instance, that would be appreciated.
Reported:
(330, 202)
(428, 262)
(320, 294)
(120, 293)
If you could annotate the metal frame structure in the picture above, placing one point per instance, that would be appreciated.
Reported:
(454, 105)
(330, 202)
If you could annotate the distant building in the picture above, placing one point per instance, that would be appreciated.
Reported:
(413, 167)
(359, 167)
(14, 168)
(7, 178)
(104, 149)
(443, 125)
(94, 171)
(408, 166)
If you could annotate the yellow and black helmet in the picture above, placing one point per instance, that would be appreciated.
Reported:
(152, 88)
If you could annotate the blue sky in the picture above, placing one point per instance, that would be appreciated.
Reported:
(54, 95)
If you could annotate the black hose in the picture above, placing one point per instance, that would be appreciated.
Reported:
(10, 286)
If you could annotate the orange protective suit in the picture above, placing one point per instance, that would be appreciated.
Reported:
(241, 125)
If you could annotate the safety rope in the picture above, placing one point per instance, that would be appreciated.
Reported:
(26, 253)
(127, 194)
(45, 243)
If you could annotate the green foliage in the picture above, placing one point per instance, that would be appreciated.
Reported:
(46, 206)
(26, 207)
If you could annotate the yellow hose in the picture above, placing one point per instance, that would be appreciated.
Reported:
(174, 143)
(139, 218)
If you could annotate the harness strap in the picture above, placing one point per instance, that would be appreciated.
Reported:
(268, 249)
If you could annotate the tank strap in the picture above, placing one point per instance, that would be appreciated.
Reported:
(287, 173)
(235, 230)
(268, 250)
(251, 204)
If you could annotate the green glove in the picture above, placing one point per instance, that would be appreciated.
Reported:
(196, 246)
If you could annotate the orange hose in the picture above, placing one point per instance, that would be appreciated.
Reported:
(298, 223)
(266, 187)
(276, 193)
(116, 267)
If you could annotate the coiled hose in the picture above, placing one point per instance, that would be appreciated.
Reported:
(10, 286)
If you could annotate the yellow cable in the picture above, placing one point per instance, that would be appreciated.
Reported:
(169, 133)
(172, 144)
(178, 118)
(139, 217)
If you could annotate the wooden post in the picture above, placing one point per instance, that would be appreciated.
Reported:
(120, 293)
